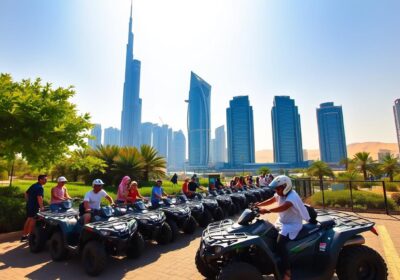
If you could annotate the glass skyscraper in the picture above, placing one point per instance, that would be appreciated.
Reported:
(286, 131)
(198, 121)
(332, 140)
(220, 144)
(96, 133)
(131, 116)
(396, 111)
(111, 136)
(146, 133)
(240, 131)
(178, 150)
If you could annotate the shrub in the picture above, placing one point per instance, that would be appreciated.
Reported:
(391, 187)
(396, 198)
(12, 209)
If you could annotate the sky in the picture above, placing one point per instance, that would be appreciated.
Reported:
(314, 51)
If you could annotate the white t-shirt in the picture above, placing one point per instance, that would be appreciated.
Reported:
(263, 181)
(94, 199)
(290, 222)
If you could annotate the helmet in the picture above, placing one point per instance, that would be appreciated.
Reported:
(97, 182)
(282, 180)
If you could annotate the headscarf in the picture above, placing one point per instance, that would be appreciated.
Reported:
(123, 187)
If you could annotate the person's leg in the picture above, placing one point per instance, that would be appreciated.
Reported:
(283, 253)
(86, 218)
(31, 224)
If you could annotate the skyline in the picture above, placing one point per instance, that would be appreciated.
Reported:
(306, 51)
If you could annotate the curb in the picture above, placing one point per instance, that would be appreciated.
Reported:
(10, 236)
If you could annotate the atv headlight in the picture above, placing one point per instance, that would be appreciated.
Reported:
(217, 249)
(105, 232)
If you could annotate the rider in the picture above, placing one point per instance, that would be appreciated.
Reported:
(59, 194)
(291, 211)
(157, 193)
(132, 193)
(91, 202)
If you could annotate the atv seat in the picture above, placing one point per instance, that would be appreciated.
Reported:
(325, 221)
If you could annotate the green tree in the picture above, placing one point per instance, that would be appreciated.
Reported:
(263, 170)
(108, 154)
(129, 162)
(38, 122)
(390, 166)
(348, 163)
(319, 169)
(153, 164)
(363, 161)
(83, 164)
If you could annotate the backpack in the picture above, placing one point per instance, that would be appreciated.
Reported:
(312, 213)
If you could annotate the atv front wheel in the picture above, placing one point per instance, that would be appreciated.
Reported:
(239, 271)
(164, 235)
(218, 214)
(203, 268)
(174, 229)
(58, 252)
(94, 258)
(205, 218)
(37, 239)
(189, 226)
(360, 263)
(135, 247)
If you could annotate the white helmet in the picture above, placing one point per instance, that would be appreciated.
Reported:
(97, 182)
(282, 180)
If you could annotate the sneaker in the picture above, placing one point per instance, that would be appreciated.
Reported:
(24, 238)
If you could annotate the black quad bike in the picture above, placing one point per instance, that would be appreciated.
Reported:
(200, 213)
(178, 217)
(152, 223)
(106, 235)
(225, 202)
(246, 249)
(211, 204)
(239, 199)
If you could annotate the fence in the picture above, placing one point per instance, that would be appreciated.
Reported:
(355, 196)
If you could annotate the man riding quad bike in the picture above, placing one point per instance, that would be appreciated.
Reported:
(248, 249)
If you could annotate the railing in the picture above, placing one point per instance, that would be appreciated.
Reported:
(355, 196)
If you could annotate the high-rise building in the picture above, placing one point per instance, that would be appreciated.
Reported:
(170, 154)
(286, 131)
(198, 121)
(220, 144)
(332, 140)
(211, 158)
(160, 139)
(111, 136)
(146, 133)
(132, 105)
(96, 133)
(179, 150)
(240, 131)
(396, 111)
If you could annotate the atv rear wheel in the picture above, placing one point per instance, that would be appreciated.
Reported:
(239, 271)
(58, 251)
(94, 258)
(164, 235)
(360, 263)
(205, 218)
(135, 247)
(203, 268)
(37, 239)
(234, 209)
(189, 226)
(174, 229)
(218, 214)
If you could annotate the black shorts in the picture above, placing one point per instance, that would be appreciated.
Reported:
(31, 212)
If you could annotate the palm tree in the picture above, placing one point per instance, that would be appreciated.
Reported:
(348, 163)
(108, 154)
(390, 166)
(319, 169)
(363, 161)
(153, 164)
(263, 170)
(128, 162)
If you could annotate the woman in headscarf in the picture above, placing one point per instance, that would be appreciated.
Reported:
(122, 189)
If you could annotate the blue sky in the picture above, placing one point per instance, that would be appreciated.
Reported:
(314, 51)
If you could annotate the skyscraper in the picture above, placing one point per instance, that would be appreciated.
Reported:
(332, 140)
(240, 131)
(198, 121)
(132, 105)
(286, 131)
(96, 132)
(179, 150)
(170, 154)
(111, 136)
(220, 144)
(146, 133)
(396, 111)
(160, 139)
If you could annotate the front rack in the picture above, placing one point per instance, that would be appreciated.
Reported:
(216, 232)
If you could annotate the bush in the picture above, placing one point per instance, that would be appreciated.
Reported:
(361, 200)
(396, 198)
(12, 209)
(391, 187)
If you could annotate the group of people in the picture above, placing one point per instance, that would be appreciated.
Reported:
(289, 206)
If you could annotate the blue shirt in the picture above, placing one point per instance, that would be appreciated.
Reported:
(156, 191)
(33, 192)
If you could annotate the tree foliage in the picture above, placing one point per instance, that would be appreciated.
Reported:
(153, 164)
(319, 169)
(363, 162)
(390, 166)
(263, 170)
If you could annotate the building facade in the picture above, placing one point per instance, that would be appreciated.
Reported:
(240, 131)
(198, 121)
(220, 144)
(111, 136)
(178, 151)
(332, 140)
(146, 133)
(131, 116)
(396, 111)
(96, 133)
(286, 131)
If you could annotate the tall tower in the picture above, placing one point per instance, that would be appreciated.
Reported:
(332, 140)
(198, 121)
(396, 111)
(286, 131)
(240, 131)
(96, 133)
(131, 116)
(220, 144)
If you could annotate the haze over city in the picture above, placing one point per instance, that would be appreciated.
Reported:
(312, 51)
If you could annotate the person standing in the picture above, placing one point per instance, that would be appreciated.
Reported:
(174, 179)
(34, 203)
(59, 194)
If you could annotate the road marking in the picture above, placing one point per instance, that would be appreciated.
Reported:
(391, 256)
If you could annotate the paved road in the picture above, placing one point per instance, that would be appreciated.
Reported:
(173, 261)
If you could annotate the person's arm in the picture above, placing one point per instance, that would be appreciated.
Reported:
(66, 194)
(138, 194)
(285, 206)
(267, 202)
(164, 193)
(86, 205)
(110, 200)
(40, 201)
